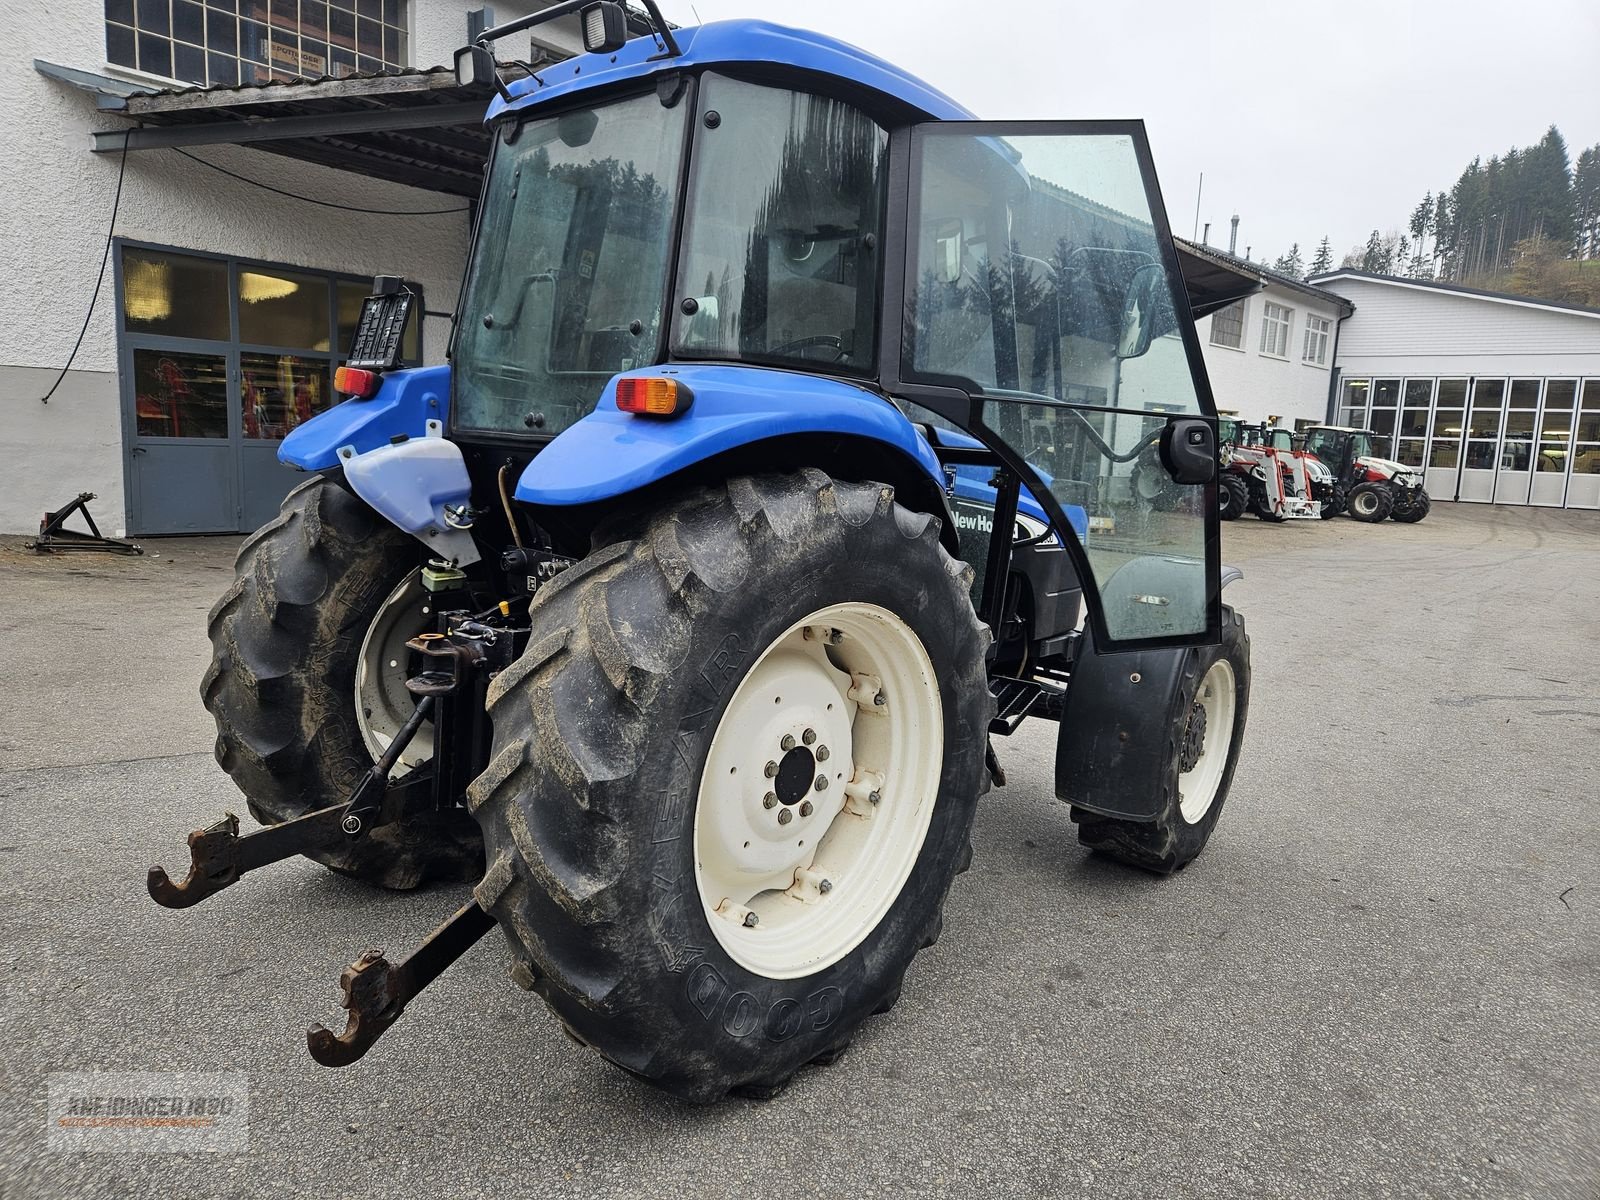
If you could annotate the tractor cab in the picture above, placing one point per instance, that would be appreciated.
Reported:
(797, 236)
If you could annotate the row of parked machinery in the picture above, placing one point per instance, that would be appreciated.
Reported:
(1281, 475)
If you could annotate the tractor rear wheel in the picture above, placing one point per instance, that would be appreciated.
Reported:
(1205, 733)
(1233, 496)
(1413, 512)
(733, 777)
(1370, 502)
(301, 684)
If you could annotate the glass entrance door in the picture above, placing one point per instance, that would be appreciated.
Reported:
(1480, 455)
(1514, 477)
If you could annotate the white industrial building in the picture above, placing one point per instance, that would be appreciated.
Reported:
(1270, 355)
(1498, 396)
(223, 303)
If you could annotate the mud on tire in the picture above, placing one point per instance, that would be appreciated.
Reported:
(602, 731)
(285, 638)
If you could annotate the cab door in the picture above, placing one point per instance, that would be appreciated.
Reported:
(1044, 313)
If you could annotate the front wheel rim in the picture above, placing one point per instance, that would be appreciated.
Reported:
(818, 790)
(1212, 710)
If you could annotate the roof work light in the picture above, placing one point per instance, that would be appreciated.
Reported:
(605, 27)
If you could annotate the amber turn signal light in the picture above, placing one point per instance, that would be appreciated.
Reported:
(652, 395)
(353, 381)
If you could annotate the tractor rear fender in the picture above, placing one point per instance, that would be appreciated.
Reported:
(1117, 716)
(739, 420)
(405, 403)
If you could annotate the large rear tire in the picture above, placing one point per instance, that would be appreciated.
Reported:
(1370, 502)
(287, 639)
(1205, 734)
(652, 765)
(1233, 496)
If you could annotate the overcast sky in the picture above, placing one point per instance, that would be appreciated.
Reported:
(1307, 120)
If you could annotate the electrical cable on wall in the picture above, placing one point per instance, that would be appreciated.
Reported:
(105, 257)
(374, 212)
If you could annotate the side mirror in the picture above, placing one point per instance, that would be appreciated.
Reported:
(475, 64)
(1189, 450)
(1139, 310)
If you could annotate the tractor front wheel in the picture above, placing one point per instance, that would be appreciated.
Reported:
(307, 680)
(1205, 730)
(733, 777)
(1413, 512)
(1370, 502)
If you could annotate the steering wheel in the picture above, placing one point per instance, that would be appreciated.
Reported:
(828, 340)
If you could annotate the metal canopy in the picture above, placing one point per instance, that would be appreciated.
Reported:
(420, 128)
(417, 127)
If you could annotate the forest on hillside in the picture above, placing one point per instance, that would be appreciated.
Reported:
(1526, 221)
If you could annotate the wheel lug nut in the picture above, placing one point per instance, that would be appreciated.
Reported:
(809, 736)
(770, 800)
(787, 743)
(879, 700)
(805, 808)
(822, 754)
(772, 769)
(822, 783)
(876, 797)
(751, 920)
(785, 816)
(825, 886)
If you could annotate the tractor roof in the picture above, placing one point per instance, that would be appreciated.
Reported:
(756, 49)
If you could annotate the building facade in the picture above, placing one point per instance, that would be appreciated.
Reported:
(1497, 396)
(1271, 355)
(222, 303)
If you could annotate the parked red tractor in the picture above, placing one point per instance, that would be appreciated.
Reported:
(1372, 488)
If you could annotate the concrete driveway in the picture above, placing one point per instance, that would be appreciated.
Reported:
(1381, 979)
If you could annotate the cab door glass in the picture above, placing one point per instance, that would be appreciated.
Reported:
(1037, 279)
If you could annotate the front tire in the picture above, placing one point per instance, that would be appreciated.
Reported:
(1205, 734)
(632, 786)
(287, 640)
(1413, 512)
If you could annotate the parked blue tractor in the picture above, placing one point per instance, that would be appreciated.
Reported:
(782, 464)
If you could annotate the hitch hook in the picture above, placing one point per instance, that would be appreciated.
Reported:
(377, 991)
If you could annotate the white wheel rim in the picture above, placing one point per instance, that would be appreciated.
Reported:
(789, 896)
(382, 703)
(1198, 786)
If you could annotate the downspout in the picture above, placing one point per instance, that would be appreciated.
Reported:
(1333, 366)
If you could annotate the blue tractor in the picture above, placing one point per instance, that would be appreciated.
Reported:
(783, 463)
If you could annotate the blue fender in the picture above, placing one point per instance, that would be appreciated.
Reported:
(405, 403)
(611, 453)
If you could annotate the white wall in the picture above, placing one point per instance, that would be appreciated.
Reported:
(57, 199)
(1399, 330)
(1257, 386)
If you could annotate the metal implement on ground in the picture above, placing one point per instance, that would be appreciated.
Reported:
(55, 537)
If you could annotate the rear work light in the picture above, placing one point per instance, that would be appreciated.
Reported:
(353, 381)
(652, 395)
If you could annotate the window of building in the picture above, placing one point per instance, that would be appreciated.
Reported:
(1227, 326)
(1315, 350)
(1275, 322)
(293, 327)
(223, 43)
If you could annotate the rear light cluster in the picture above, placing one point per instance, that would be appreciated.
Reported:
(353, 381)
(652, 395)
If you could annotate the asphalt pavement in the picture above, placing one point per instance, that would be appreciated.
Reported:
(1382, 978)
